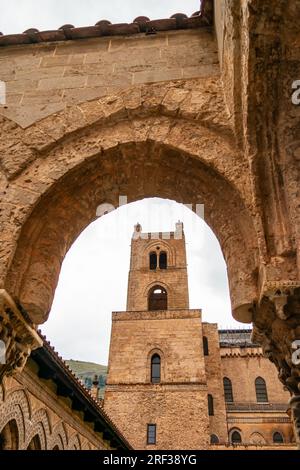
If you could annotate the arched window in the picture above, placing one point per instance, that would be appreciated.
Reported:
(158, 299)
(9, 436)
(228, 390)
(278, 438)
(163, 260)
(35, 443)
(155, 369)
(56, 448)
(153, 260)
(261, 390)
(210, 402)
(205, 346)
(214, 439)
(236, 438)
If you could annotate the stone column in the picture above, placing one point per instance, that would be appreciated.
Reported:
(18, 337)
(277, 329)
(95, 387)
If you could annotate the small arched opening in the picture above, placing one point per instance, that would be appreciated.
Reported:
(278, 438)
(153, 261)
(205, 346)
(9, 436)
(227, 384)
(158, 299)
(35, 443)
(261, 390)
(163, 260)
(155, 369)
(214, 439)
(235, 437)
(210, 403)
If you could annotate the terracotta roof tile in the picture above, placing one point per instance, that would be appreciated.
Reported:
(141, 24)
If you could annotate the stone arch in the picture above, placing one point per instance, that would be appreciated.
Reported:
(75, 442)
(234, 433)
(278, 437)
(161, 354)
(150, 286)
(59, 437)
(257, 438)
(57, 444)
(9, 436)
(95, 164)
(16, 406)
(41, 427)
(158, 298)
(171, 256)
(36, 442)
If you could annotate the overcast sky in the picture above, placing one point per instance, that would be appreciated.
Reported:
(18, 15)
(93, 280)
(94, 275)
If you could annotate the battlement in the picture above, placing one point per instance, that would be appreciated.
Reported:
(178, 234)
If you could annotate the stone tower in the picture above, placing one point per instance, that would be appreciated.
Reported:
(156, 386)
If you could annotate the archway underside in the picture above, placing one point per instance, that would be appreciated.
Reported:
(53, 187)
(134, 170)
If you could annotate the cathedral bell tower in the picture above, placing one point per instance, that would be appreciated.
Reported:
(156, 385)
(158, 271)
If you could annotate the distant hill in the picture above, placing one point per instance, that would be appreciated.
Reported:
(86, 371)
(86, 368)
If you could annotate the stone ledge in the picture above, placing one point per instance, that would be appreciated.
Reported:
(157, 315)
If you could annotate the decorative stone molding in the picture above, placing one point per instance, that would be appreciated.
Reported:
(278, 292)
(18, 335)
(277, 329)
(295, 407)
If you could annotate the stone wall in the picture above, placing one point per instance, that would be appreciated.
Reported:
(179, 412)
(256, 422)
(34, 406)
(42, 79)
(214, 377)
(174, 279)
(242, 366)
(177, 405)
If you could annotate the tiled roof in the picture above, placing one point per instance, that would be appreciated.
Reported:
(47, 357)
(236, 338)
(142, 24)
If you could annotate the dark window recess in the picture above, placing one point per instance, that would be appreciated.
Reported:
(9, 436)
(35, 443)
(151, 434)
(158, 299)
(236, 438)
(153, 260)
(163, 260)
(210, 402)
(205, 346)
(155, 369)
(214, 439)
(261, 390)
(228, 390)
(277, 438)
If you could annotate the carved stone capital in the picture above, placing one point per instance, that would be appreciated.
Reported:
(279, 292)
(295, 408)
(18, 337)
(277, 330)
